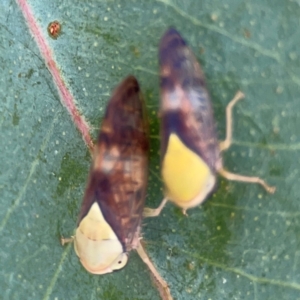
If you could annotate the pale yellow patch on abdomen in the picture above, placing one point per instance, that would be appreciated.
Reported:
(184, 173)
(94, 226)
(96, 244)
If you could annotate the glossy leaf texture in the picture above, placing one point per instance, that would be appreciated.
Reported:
(242, 243)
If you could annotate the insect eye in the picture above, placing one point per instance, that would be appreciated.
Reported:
(120, 262)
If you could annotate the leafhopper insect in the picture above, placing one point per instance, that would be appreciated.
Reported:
(190, 151)
(110, 219)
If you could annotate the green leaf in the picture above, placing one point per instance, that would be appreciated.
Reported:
(242, 243)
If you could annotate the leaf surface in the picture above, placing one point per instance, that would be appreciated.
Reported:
(242, 243)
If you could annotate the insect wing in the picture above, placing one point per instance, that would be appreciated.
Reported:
(189, 145)
(110, 217)
(185, 103)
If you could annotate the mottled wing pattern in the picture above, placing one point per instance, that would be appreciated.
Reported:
(185, 105)
(118, 174)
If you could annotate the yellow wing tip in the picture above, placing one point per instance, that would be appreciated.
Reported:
(185, 174)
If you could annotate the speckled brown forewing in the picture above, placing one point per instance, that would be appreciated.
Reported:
(118, 174)
(185, 106)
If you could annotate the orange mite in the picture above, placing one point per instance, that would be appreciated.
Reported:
(54, 29)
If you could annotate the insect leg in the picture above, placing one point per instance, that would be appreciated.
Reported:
(237, 177)
(64, 241)
(159, 281)
(154, 212)
(224, 145)
(184, 212)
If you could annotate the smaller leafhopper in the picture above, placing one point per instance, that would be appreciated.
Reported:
(190, 151)
(110, 219)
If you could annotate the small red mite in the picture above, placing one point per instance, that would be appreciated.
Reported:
(54, 29)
